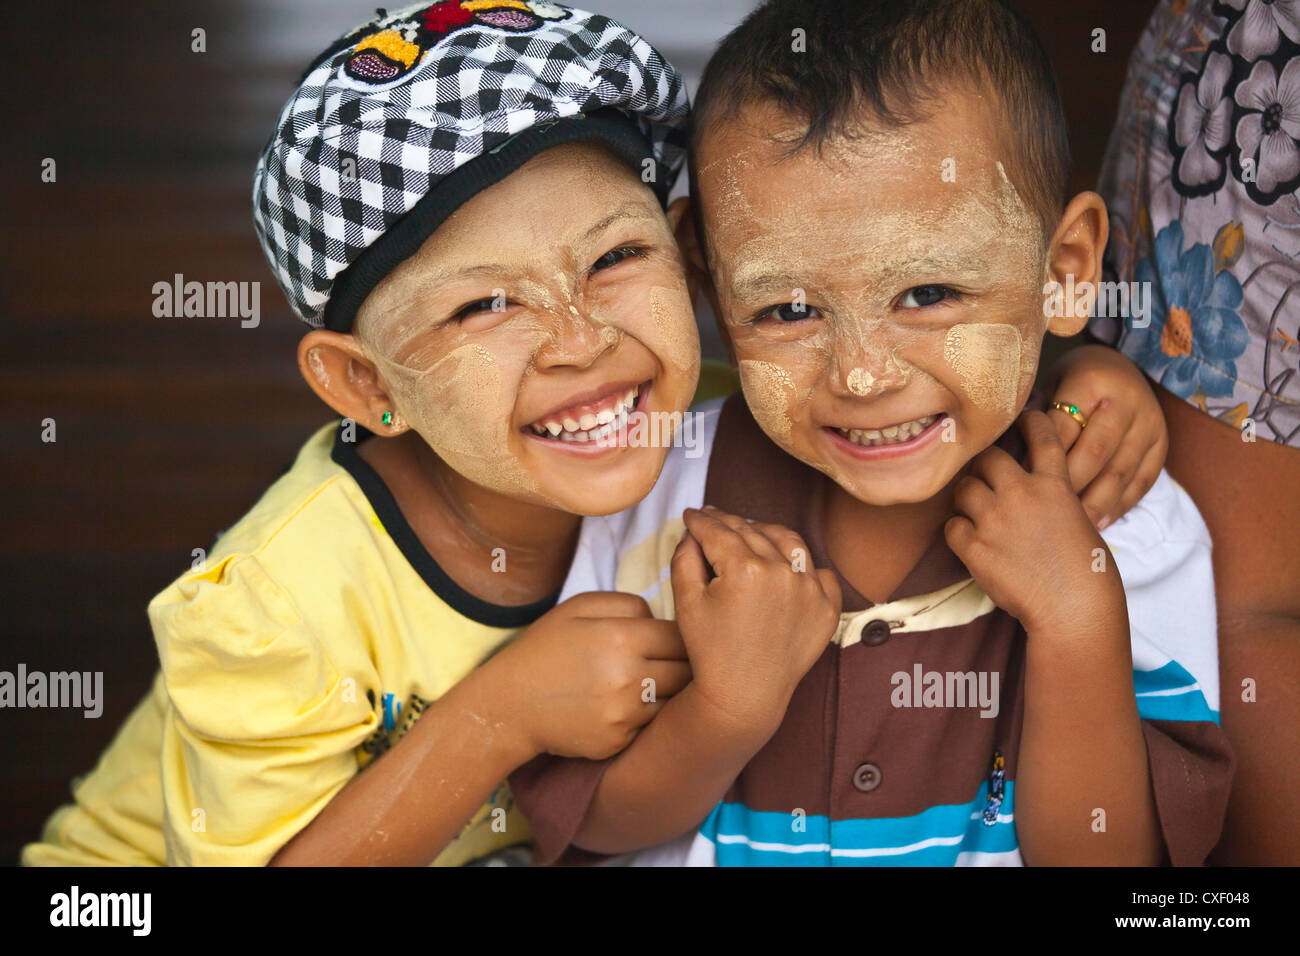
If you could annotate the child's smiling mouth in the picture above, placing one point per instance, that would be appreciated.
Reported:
(597, 420)
(891, 441)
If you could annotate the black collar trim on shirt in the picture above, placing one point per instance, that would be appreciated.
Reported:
(456, 597)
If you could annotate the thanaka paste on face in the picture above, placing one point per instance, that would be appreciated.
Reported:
(987, 357)
(681, 341)
(863, 346)
(769, 392)
(461, 388)
(860, 381)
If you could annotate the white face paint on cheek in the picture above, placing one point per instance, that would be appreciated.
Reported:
(461, 405)
(987, 359)
(674, 324)
(770, 393)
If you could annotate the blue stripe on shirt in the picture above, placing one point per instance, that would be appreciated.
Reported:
(934, 837)
(1171, 693)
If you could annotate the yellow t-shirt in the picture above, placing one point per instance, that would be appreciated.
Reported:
(317, 632)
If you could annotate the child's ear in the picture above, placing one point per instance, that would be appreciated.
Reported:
(682, 220)
(338, 371)
(1074, 261)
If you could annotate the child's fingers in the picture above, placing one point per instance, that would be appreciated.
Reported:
(1097, 445)
(723, 547)
(647, 712)
(788, 544)
(658, 640)
(831, 587)
(1104, 493)
(749, 532)
(959, 532)
(1138, 486)
(669, 678)
(1067, 429)
(995, 467)
(688, 570)
(1046, 456)
(973, 497)
(598, 604)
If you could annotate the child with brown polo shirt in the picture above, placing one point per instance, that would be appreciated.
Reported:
(909, 644)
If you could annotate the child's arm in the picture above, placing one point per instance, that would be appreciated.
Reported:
(414, 799)
(258, 751)
(752, 632)
(1116, 459)
(570, 685)
(1097, 783)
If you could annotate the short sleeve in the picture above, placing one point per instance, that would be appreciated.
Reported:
(116, 816)
(554, 794)
(1162, 549)
(262, 721)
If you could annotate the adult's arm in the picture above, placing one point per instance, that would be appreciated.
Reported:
(1247, 494)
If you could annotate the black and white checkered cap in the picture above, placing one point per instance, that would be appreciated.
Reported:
(403, 106)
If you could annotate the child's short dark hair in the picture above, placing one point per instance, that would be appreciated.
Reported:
(888, 57)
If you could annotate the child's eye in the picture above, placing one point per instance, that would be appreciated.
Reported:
(615, 256)
(926, 295)
(788, 312)
(474, 308)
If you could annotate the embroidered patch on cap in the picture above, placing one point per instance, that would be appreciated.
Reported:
(400, 103)
(394, 46)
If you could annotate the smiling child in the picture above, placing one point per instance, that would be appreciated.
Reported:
(973, 674)
(386, 575)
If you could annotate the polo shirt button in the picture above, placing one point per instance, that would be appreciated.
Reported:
(876, 633)
(867, 777)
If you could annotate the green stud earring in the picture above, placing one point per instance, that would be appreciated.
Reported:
(387, 418)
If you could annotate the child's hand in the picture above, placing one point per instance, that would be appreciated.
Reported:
(578, 675)
(1117, 458)
(1026, 539)
(756, 628)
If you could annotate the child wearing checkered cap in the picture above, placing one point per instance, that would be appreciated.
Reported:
(465, 200)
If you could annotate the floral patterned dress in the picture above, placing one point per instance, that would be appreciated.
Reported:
(1202, 178)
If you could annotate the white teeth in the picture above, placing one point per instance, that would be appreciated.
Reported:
(591, 427)
(891, 435)
(626, 402)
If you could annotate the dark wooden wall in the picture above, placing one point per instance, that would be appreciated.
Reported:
(169, 429)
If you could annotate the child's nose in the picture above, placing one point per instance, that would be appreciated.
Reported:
(865, 372)
(574, 338)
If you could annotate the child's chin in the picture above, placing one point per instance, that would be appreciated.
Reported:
(902, 490)
(609, 495)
